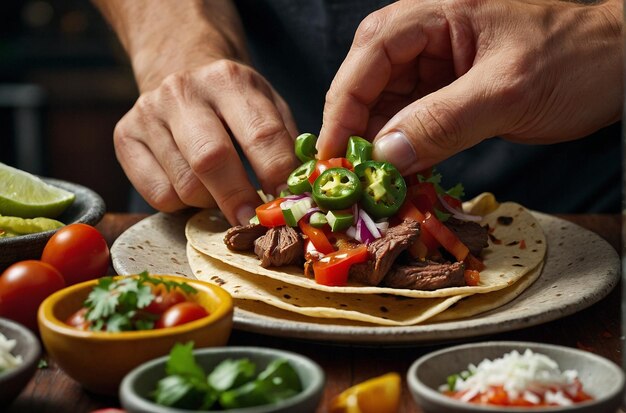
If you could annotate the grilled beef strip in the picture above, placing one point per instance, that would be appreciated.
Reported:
(474, 236)
(425, 275)
(279, 246)
(242, 237)
(382, 252)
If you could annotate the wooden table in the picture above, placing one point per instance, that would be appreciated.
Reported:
(596, 329)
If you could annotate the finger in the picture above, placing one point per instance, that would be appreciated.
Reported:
(285, 113)
(208, 149)
(365, 73)
(142, 168)
(442, 123)
(258, 126)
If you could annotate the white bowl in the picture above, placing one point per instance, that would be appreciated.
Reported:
(601, 378)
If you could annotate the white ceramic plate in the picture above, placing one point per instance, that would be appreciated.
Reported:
(581, 268)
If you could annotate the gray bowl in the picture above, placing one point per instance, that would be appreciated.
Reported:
(12, 382)
(601, 378)
(140, 382)
(87, 208)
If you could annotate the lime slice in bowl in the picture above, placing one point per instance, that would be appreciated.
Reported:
(26, 196)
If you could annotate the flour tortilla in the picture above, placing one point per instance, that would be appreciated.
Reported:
(514, 250)
(386, 309)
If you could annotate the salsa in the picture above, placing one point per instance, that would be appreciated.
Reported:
(137, 303)
(517, 379)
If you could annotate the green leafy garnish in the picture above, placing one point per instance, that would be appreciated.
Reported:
(113, 304)
(231, 384)
(456, 191)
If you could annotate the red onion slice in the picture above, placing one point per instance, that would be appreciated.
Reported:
(458, 214)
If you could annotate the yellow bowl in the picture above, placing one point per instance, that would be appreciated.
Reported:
(99, 360)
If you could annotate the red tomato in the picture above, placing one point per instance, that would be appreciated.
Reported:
(164, 299)
(334, 268)
(23, 286)
(79, 252)
(270, 215)
(445, 237)
(78, 319)
(181, 313)
(321, 166)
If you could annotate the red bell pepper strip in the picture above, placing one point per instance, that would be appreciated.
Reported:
(317, 236)
(410, 211)
(334, 268)
(270, 214)
(446, 237)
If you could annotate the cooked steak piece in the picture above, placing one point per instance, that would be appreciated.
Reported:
(279, 246)
(242, 237)
(425, 275)
(470, 233)
(383, 251)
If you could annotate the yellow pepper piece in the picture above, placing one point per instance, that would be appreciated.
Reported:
(483, 204)
(378, 395)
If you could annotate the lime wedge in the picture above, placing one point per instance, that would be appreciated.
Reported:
(26, 196)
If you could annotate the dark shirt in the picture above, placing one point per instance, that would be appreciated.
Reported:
(298, 45)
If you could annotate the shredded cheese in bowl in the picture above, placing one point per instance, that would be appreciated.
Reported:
(7, 360)
(528, 379)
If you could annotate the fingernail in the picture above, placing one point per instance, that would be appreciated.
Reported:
(395, 148)
(244, 213)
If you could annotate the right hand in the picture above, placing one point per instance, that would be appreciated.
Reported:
(175, 143)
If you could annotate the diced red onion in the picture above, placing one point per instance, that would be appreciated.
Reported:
(459, 214)
(298, 197)
(351, 232)
(382, 226)
(311, 211)
(369, 223)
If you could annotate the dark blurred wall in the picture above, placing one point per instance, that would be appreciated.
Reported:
(65, 49)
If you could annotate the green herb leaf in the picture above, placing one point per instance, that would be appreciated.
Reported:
(231, 373)
(182, 362)
(442, 216)
(42, 364)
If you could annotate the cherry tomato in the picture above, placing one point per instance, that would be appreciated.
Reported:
(270, 214)
(181, 313)
(78, 320)
(164, 299)
(23, 286)
(79, 252)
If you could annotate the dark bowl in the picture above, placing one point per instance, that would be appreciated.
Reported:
(13, 381)
(87, 208)
(139, 383)
(601, 378)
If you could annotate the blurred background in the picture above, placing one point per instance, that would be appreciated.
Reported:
(64, 83)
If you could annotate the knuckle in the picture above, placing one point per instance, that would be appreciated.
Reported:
(264, 131)
(187, 185)
(209, 158)
(175, 86)
(226, 72)
(163, 197)
(438, 127)
(369, 29)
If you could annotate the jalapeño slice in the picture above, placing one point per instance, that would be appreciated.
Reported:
(336, 188)
(359, 150)
(384, 188)
(298, 180)
(304, 147)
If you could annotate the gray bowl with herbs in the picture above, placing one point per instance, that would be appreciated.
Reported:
(299, 390)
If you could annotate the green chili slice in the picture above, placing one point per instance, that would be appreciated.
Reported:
(305, 147)
(336, 188)
(359, 150)
(298, 180)
(384, 188)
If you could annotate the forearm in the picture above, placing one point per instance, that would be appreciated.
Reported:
(163, 37)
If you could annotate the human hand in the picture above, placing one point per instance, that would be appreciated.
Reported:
(175, 143)
(428, 79)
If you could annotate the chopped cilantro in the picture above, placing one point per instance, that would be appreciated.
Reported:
(114, 304)
(456, 191)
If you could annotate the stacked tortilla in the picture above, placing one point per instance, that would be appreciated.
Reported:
(513, 261)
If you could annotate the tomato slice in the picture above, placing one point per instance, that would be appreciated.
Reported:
(321, 166)
(317, 236)
(270, 214)
(424, 196)
(445, 237)
(333, 269)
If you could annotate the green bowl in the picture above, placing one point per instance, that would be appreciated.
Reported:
(140, 382)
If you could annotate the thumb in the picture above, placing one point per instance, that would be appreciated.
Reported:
(440, 125)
